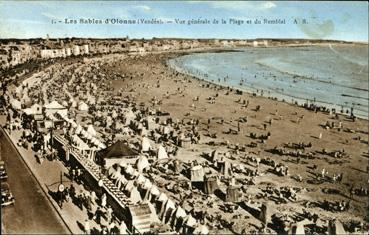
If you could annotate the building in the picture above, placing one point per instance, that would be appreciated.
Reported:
(76, 50)
(141, 217)
(68, 52)
(115, 153)
(86, 49)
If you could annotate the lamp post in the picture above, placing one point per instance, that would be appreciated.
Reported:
(61, 190)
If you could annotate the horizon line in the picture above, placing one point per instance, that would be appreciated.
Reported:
(184, 38)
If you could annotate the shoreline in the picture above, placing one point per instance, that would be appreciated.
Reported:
(249, 89)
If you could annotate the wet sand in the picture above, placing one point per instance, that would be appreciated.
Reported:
(149, 77)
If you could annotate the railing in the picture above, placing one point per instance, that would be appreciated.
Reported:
(94, 170)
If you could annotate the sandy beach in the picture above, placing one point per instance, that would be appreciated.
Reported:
(149, 79)
(308, 166)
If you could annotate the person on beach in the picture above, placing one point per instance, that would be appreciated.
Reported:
(103, 200)
(87, 227)
(122, 228)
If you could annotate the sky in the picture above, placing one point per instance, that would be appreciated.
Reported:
(323, 20)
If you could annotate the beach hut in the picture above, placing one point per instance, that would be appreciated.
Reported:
(225, 168)
(73, 103)
(129, 170)
(129, 116)
(140, 180)
(197, 174)
(147, 185)
(115, 153)
(335, 227)
(141, 217)
(210, 184)
(297, 229)
(78, 129)
(232, 194)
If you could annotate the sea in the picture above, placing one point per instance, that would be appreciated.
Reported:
(332, 75)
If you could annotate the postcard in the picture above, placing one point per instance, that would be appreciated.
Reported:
(184, 117)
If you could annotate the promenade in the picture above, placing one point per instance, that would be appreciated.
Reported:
(71, 217)
(32, 211)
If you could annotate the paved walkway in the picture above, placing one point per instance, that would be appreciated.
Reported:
(32, 211)
(48, 174)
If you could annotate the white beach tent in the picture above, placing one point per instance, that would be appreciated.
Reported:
(91, 130)
(147, 185)
(78, 129)
(297, 229)
(162, 153)
(82, 106)
(129, 170)
(135, 196)
(142, 163)
(202, 229)
(16, 104)
(154, 190)
(80, 144)
(54, 105)
(146, 146)
(123, 164)
(129, 186)
(162, 197)
(74, 103)
(33, 110)
(180, 213)
(190, 221)
(111, 171)
(141, 179)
